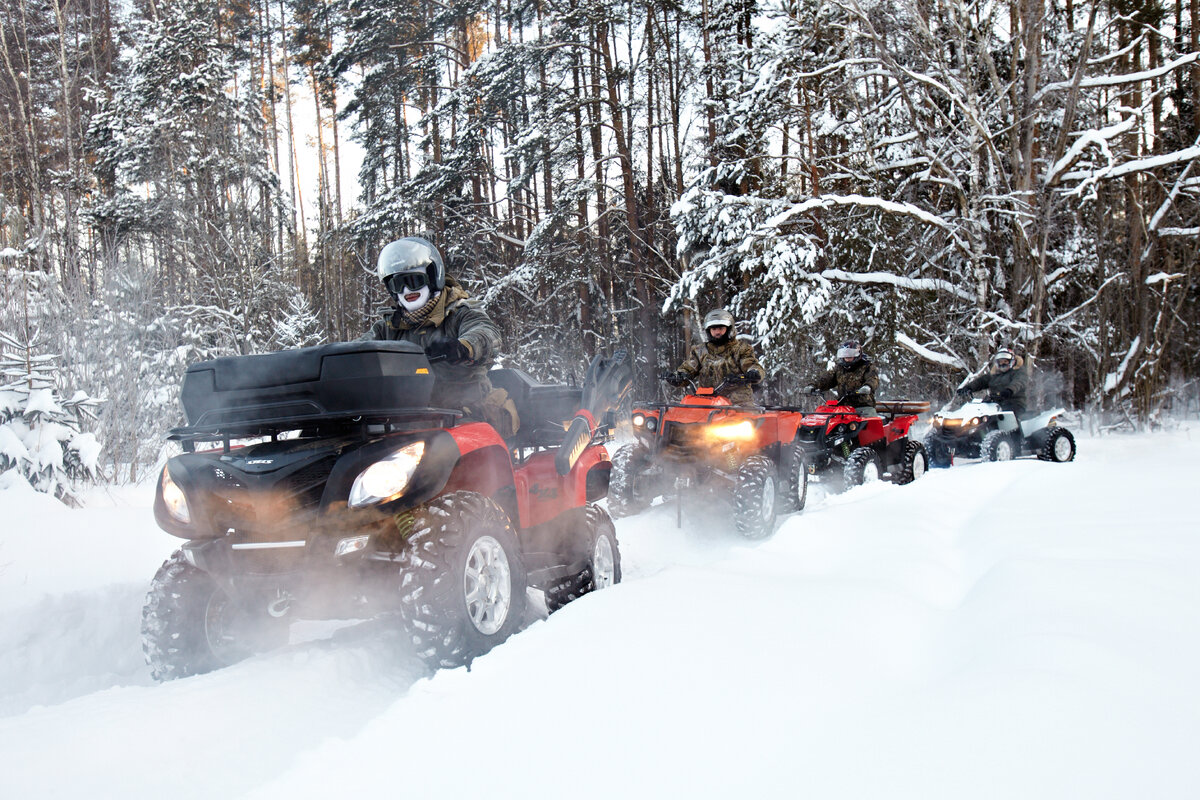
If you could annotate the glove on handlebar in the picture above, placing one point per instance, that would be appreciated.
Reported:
(963, 392)
(752, 376)
(676, 378)
(452, 351)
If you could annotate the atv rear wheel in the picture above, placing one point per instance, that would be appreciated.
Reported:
(1058, 447)
(754, 498)
(628, 493)
(462, 580)
(938, 453)
(998, 446)
(604, 562)
(191, 626)
(915, 461)
(797, 481)
(861, 467)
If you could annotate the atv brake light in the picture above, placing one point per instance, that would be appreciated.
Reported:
(733, 431)
(387, 479)
(174, 499)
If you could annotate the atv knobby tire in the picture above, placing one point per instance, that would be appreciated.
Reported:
(796, 483)
(604, 562)
(628, 493)
(1058, 447)
(755, 498)
(915, 462)
(998, 446)
(191, 626)
(938, 453)
(861, 467)
(462, 579)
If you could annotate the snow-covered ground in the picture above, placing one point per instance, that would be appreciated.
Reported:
(1017, 630)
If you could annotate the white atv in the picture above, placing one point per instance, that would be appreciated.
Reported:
(982, 429)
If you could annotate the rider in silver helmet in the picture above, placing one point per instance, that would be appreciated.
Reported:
(722, 358)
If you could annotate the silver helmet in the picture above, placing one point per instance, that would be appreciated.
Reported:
(409, 264)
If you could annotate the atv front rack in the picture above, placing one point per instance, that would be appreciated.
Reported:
(386, 421)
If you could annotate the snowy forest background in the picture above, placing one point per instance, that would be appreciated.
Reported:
(932, 176)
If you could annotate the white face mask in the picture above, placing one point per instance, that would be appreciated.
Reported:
(418, 301)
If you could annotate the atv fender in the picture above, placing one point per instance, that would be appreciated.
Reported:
(1034, 424)
(1006, 421)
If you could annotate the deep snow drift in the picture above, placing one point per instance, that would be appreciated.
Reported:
(992, 631)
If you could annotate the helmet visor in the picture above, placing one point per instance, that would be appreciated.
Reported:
(849, 350)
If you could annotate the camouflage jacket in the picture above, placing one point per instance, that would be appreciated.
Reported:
(848, 381)
(1008, 387)
(454, 317)
(708, 364)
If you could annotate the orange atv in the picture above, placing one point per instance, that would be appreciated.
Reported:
(745, 455)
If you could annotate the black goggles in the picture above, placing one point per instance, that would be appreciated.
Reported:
(404, 282)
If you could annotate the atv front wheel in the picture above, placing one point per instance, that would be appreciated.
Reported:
(915, 461)
(604, 562)
(191, 626)
(627, 490)
(1058, 447)
(797, 482)
(938, 453)
(754, 498)
(997, 446)
(861, 467)
(462, 580)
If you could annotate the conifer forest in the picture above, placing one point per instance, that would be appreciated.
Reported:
(933, 177)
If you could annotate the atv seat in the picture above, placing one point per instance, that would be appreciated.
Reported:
(545, 409)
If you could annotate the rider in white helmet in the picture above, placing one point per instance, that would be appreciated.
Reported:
(723, 358)
(1006, 382)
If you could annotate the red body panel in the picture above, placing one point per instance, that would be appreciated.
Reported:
(873, 429)
(542, 494)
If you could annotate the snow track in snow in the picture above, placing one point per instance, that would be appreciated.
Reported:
(994, 630)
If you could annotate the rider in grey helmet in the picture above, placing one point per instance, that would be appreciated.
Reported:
(434, 311)
(853, 377)
(722, 358)
(1006, 382)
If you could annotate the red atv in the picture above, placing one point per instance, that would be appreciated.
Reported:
(841, 448)
(334, 491)
(745, 455)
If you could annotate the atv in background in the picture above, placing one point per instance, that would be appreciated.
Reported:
(982, 429)
(320, 484)
(709, 449)
(842, 448)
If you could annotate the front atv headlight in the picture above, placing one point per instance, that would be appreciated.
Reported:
(387, 479)
(174, 499)
(639, 420)
(733, 431)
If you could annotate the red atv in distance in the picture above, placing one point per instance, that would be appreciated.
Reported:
(746, 455)
(842, 448)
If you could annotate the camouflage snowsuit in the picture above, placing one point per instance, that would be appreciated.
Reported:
(847, 381)
(710, 363)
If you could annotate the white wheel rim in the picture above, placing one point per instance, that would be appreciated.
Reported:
(1062, 448)
(487, 585)
(768, 498)
(1003, 451)
(870, 472)
(604, 564)
(918, 465)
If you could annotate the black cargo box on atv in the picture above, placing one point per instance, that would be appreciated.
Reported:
(348, 379)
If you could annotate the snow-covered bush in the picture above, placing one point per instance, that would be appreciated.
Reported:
(41, 434)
